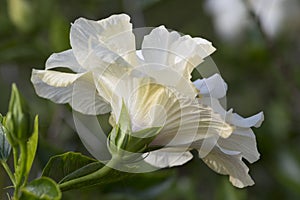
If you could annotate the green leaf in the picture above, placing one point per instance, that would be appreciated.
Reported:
(41, 189)
(32, 145)
(63, 165)
(66, 168)
(92, 174)
(83, 171)
(4, 144)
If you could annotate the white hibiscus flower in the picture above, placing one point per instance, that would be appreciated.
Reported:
(151, 87)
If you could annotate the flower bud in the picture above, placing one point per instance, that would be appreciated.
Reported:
(17, 120)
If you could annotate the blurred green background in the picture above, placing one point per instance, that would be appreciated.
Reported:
(258, 54)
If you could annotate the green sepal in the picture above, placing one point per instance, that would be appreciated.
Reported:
(136, 142)
(41, 189)
(124, 119)
(123, 141)
(120, 133)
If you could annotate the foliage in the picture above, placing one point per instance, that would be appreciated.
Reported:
(16, 134)
(41, 189)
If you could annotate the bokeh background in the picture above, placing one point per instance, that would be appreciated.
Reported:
(258, 54)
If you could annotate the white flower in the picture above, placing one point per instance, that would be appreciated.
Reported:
(154, 86)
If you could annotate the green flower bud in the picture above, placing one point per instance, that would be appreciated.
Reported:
(24, 126)
(17, 120)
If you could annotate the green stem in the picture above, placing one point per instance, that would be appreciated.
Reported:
(96, 175)
(16, 154)
(9, 173)
(21, 175)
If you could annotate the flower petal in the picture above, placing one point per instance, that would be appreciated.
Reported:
(168, 48)
(156, 46)
(85, 98)
(170, 58)
(168, 76)
(233, 118)
(91, 135)
(213, 86)
(188, 121)
(255, 120)
(99, 43)
(64, 59)
(241, 140)
(231, 165)
(55, 78)
(206, 47)
(167, 157)
(153, 105)
(56, 94)
(214, 104)
(76, 89)
(111, 86)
